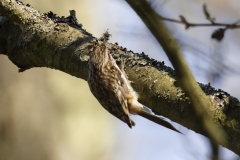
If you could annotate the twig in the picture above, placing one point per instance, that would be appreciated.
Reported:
(188, 24)
(218, 34)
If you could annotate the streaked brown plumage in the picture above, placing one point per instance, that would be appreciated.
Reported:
(110, 85)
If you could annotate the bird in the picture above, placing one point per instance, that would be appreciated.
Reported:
(109, 84)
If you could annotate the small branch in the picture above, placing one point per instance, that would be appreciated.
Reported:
(188, 24)
(218, 34)
(208, 17)
(200, 103)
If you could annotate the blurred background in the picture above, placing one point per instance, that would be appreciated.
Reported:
(47, 114)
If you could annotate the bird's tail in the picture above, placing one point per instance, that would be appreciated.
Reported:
(148, 114)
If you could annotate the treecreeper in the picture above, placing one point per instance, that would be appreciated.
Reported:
(109, 84)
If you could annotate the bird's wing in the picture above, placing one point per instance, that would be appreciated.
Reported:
(117, 85)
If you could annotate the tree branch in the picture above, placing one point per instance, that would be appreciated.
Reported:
(39, 42)
(189, 24)
(218, 34)
(200, 103)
